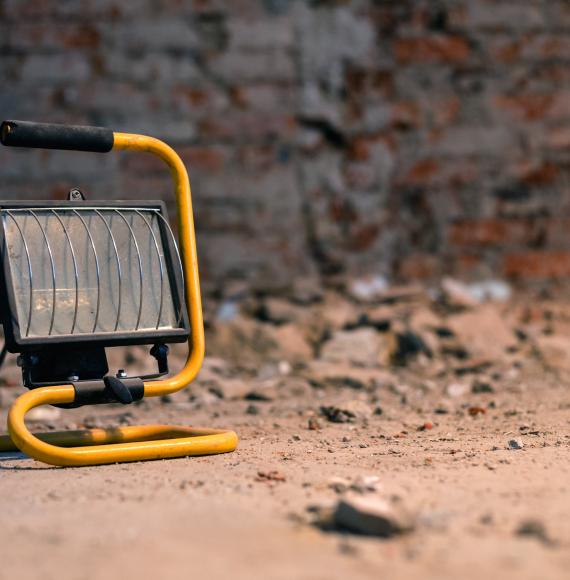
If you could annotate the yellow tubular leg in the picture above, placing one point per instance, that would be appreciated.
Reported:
(100, 446)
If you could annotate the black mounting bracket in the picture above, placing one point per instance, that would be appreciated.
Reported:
(86, 368)
(60, 365)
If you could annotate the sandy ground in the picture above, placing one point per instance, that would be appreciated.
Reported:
(212, 517)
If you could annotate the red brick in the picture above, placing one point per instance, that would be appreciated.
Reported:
(557, 232)
(431, 49)
(549, 46)
(505, 50)
(204, 158)
(421, 172)
(260, 157)
(342, 211)
(537, 265)
(445, 111)
(244, 125)
(359, 149)
(559, 138)
(141, 164)
(537, 174)
(418, 267)
(468, 265)
(406, 114)
(362, 238)
(492, 15)
(525, 107)
(85, 36)
(491, 232)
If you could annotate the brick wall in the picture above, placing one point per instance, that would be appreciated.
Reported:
(409, 138)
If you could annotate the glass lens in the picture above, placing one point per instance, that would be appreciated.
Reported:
(88, 270)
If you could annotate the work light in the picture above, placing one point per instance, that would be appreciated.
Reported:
(79, 276)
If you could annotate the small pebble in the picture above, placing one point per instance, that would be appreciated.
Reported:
(515, 444)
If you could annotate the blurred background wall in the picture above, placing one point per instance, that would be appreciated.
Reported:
(407, 139)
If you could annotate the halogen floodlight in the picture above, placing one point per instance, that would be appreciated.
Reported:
(78, 276)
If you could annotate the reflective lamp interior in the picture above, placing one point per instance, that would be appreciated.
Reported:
(90, 270)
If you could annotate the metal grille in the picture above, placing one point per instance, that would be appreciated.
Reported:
(87, 269)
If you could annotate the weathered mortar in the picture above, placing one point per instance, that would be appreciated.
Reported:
(409, 138)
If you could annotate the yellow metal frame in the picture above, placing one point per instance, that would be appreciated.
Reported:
(121, 444)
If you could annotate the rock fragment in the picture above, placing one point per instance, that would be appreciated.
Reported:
(362, 484)
(481, 386)
(555, 351)
(348, 412)
(483, 332)
(270, 476)
(339, 484)
(368, 289)
(373, 516)
(324, 374)
(306, 290)
(364, 347)
(366, 484)
(455, 390)
(515, 444)
(43, 414)
(313, 424)
(534, 529)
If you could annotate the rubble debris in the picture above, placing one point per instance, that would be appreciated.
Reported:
(381, 328)
(48, 414)
(270, 476)
(335, 312)
(92, 422)
(491, 290)
(292, 344)
(463, 294)
(230, 389)
(322, 374)
(473, 366)
(456, 390)
(483, 332)
(456, 293)
(11, 373)
(313, 424)
(7, 396)
(279, 311)
(367, 289)
(264, 395)
(373, 515)
(481, 386)
(306, 290)
(364, 347)
(409, 345)
(362, 484)
(366, 484)
(228, 310)
(339, 484)
(534, 529)
(515, 444)
(245, 341)
(348, 412)
(554, 351)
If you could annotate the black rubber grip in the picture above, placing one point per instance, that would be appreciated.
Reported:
(49, 136)
(108, 390)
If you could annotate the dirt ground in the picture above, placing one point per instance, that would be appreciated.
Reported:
(476, 450)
